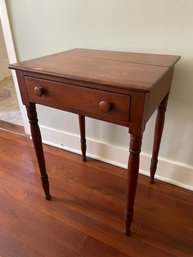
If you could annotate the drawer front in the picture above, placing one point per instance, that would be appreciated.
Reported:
(108, 106)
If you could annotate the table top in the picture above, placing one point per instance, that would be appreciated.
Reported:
(133, 71)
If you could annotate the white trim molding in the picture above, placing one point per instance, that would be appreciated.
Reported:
(169, 171)
(11, 56)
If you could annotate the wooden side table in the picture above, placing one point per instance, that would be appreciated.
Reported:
(117, 87)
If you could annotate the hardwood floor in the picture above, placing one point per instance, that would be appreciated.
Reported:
(85, 217)
(11, 127)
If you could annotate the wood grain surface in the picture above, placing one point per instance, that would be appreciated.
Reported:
(85, 217)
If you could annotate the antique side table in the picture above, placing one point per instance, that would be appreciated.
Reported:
(117, 87)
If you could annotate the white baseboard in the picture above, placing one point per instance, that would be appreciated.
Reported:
(169, 171)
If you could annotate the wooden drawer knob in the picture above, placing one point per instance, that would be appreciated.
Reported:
(39, 91)
(104, 106)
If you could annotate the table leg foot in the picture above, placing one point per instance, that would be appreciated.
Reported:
(48, 197)
(128, 221)
(45, 185)
(153, 168)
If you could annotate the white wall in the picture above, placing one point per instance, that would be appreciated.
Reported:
(156, 26)
(4, 71)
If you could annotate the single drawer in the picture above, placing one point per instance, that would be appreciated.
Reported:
(108, 106)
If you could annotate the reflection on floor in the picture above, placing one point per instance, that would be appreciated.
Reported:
(9, 108)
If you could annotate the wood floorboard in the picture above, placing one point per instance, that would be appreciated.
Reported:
(85, 217)
(14, 128)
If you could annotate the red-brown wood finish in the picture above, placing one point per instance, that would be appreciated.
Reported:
(132, 176)
(159, 125)
(117, 87)
(75, 225)
(82, 136)
(36, 137)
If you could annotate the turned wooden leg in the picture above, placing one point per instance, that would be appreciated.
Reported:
(37, 141)
(82, 136)
(132, 176)
(157, 137)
